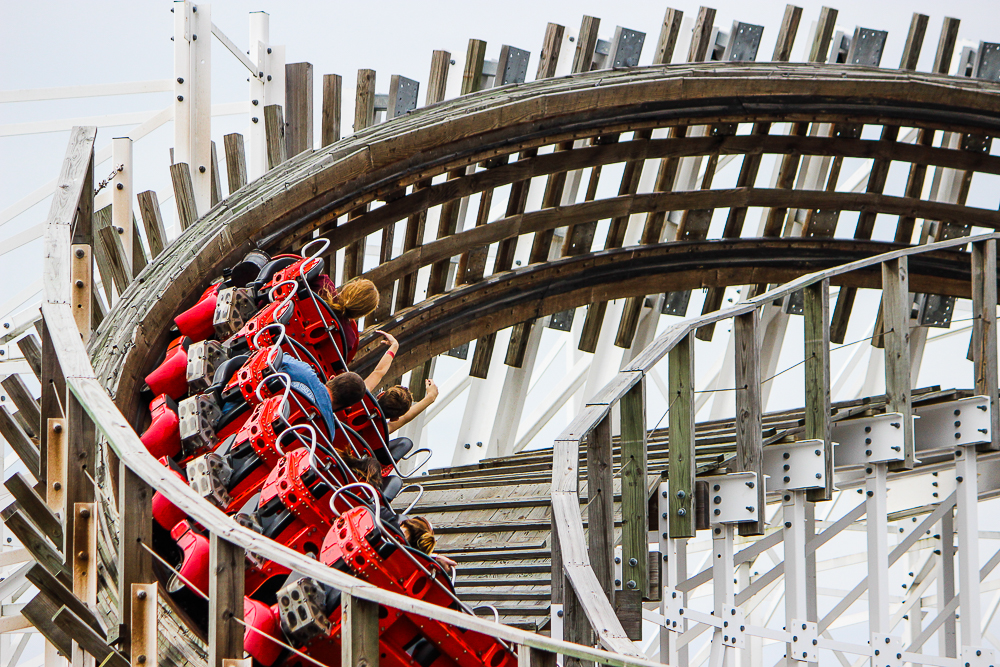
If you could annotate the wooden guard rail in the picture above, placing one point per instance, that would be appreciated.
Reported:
(583, 585)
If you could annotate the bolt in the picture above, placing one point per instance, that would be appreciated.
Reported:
(788, 524)
(717, 500)
(749, 508)
(749, 485)
(180, 79)
(79, 254)
(787, 479)
(795, 638)
(141, 659)
(868, 452)
(57, 428)
(958, 479)
(559, 613)
(680, 494)
(254, 119)
(56, 485)
(269, 50)
(870, 494)
(663, 494)
(180, 98)
(85, 513)
(631, 584)
(786, 467)
(120, 186)
(82, 556)
(682, 512)
(79, 284)
(633, 562)
(786, 456)
(194, 38)
(819, 475)
(717, 512)
(818, 452)
(268, 77)
(201, 169)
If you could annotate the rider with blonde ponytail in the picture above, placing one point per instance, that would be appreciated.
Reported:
(358, 298)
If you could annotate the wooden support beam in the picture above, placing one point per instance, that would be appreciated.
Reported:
(37, 544)
(364, 100)
(824, 34)
(84, 553)
(32, 353)
(135, 566)
(984, 330)
(59, 589)
(225, 600)
(946, 45)
(236, 161)
(40, 610)
(55, 456)
(533, 657)
(701, 35)
(749, 441)
(88, 639)
(786, 34)
(143, 636)
(816, 350)
(333, 86)
(216, 178)
(438, 79)
(896, 306)
(84, 219)
(548, 58)
(298, 108)
(576, 626)
(80, 463)
(33, 505)
(472, 75)
(914, 40)
(359, 632)
(109, 238)
(601, 506)
(19, 441)
(27, 404)
(187, 209)
(274, 128)
(635, 496)
(681, 455)
(53, 389)
(152, 221)
(586, 44)
(139, 257)
(669, 32)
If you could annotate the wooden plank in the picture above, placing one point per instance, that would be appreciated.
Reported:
(533, 657)
(548, 58)
(472, 75)
(438, 79)
(680, 392)
(333, 87)
(18, 440)
(824, 33)
(946, 45)
(786, 33)
(80, 459)
(914, 40)
(298, 107)
(85, 557)
(601, 506)
(142, 631)
(187, 209)
(896, 308)
(669, 32)
(83, 231)
(984, 330)
(274, 128)
(359, 632)
(139, 257)
(816, 351)
(27, 404)
(216, 178)
(53, 389)
(225, 600)
(749, 441)
(110, 239)
(236, 161)
(87, 307)
(32, 353)
(586, 44)
(701, 35)
(33, 505)
(40, 610)
(135, 566)
(37, 544)
(635, 498)
(88, 639)
(152, 221)
(364, 100)
(576, 627)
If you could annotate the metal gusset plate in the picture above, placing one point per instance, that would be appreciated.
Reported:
(562, 321)
(676, 303)
(867, 46)
(987, 65)
(402, 96)
(460, 352)
(512, 67)
(744, 40)
(626, 47)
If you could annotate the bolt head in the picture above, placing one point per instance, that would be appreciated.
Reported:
(180, 98)
(141, 659)
(57, 428)
(85, 513)
(141, 595)
(120, 186)
(79, 284)
(79, 253)
(180, 79)
(201, 169)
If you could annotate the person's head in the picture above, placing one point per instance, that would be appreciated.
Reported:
(395, 401)
(355, 299)
(419, 534)
(345, 390)
(366, 469)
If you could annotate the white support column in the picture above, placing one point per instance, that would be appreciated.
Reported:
(878, 548)
(256, 136)
(947, 637)
(201, 104)
(794, 536)
(673, 571)
(184, 88)
(512, 396)
(724, 590)
(121, 194)
(967, 525)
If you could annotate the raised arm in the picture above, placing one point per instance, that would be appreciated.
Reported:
(376, 375)
(429, 397)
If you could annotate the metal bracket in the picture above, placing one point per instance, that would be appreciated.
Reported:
(732, 498)
(673, 610)
(987, 64)
(795, 466)
(402, 96)
(887, 650)
(873, 439)
(866, 47)
(512, 67)
(626, 46)
(805, 641)
(734, 627)
(744, 40)
(977, 656)
(965, 421)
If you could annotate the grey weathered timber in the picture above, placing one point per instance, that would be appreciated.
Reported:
(984, 330)
(27, 404)
(680, 386)
(635, 499)
(217, 195)
(333, 86)
(33, 505)
(669, 32)
(274, 127)
(135, 565)
(601, 506)
(40, 548)
(914, 40)
(114, 253)
(824, 33)
(152, 221)
(472, 75)
(586, 43)
(576, 628)
(53, 390)
(102, 218)
(236, 161)
(896, 308)
(187, 209)
(359, 632)
(749, 442)
(438, 78)
(786, 33)
(139, 257)
(548, 58)
(701, 35)
(533, 657)
(32, 353)
(225, 600)
(18, 440)
(364, 100)
(88, 639)
(81, 458)
(298, 108)
(816, 350)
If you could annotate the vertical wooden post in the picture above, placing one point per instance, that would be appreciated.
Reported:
(139, 257)
(438, 79)
(135, 566)
(225, 600)
(274, 128)
(83, 557)
(216, 177)
(143, 639)
(576, 627)
(984, 329)
(635, 499)
(53, 389)
(472, 75)
(551, 46)
(80, 458)
(896, 307)
(149, 210)
(749, 443)
(533, 657)
(816, 309)
(121, 195)
(824, 33)
(298, 107)
(187, 209)
(236, 161)
(55, 455)
(586, 43)
(667, 41)
(601, 506)
(701, 35)
(359, 632)
(680, 394)
(914, 40)
(364, 101)
(786, 34)
(330, 123)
